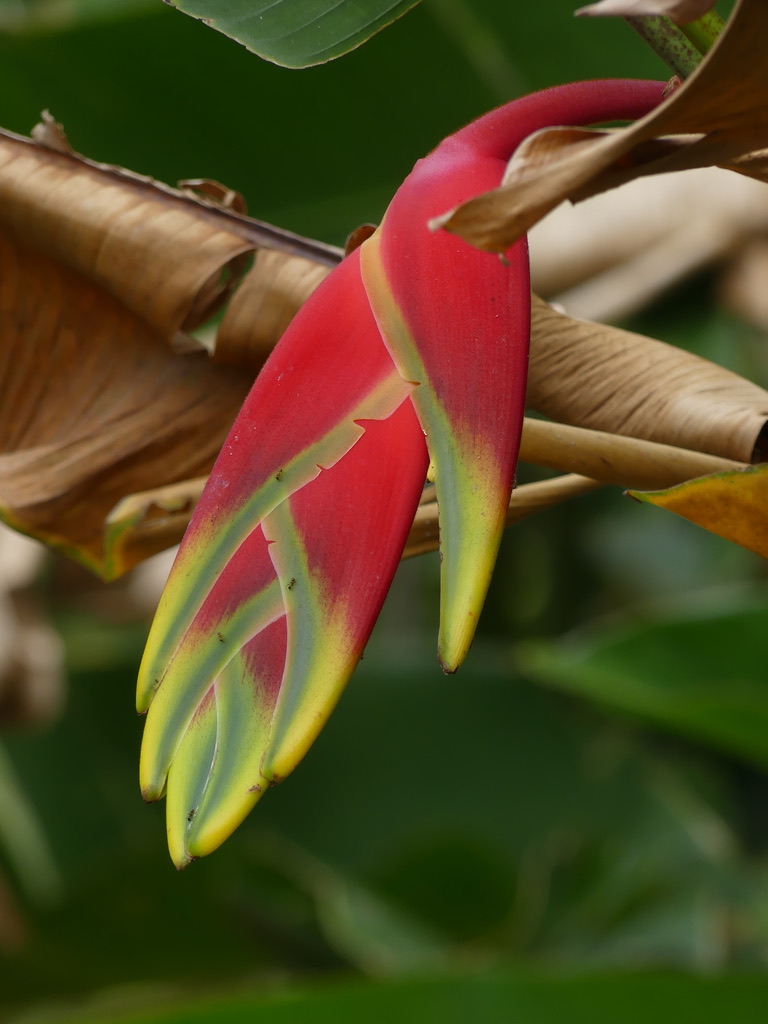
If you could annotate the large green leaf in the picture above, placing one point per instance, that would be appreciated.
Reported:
(297, 33)
(700, 675)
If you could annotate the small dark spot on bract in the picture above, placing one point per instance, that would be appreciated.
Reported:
(292, 583)
(191, 814)
(221, 638)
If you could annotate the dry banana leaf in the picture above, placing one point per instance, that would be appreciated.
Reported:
(614, 253)
(265, 303)
(103, 273)
(597, 376)
(716, 117)
(96, 406)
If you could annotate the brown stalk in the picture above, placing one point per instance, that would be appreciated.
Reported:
(592, 459)
(526, 500)
(613, 459)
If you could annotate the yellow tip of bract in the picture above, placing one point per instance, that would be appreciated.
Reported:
(453, 645)
(471, 526)
(178, 850)
(463, 589)
(200, 817)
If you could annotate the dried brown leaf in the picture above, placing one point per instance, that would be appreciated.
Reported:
(96, 406)
(615, 252)
(265, 303)
(716, 117)
(164, 253)
(159, 255)
(103, 272)
(597, 376)
(356, 238)
(143, 524)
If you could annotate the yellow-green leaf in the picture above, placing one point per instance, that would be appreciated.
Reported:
(733, 505)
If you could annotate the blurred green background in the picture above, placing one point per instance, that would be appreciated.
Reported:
(574, 827)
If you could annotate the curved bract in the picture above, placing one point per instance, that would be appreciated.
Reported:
(457, 321)
(296, 538)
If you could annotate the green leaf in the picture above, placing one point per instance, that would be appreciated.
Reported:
(701, 675)
(297, 33)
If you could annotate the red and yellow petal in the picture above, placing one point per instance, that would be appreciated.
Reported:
(283, 570)
(457, 323)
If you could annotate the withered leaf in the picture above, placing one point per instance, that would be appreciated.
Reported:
(143, 524)
(597, 376)
(732, 505)
(102, 272)
(716, 117)
(264, 304)
(612, 254)
(96, 406)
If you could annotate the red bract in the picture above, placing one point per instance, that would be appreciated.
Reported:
(296, 538)
(457, 322)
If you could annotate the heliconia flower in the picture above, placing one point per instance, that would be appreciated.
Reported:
(457, 322)
(297, 536)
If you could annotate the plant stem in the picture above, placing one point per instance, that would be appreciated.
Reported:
(704, 31)
(669, 42)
